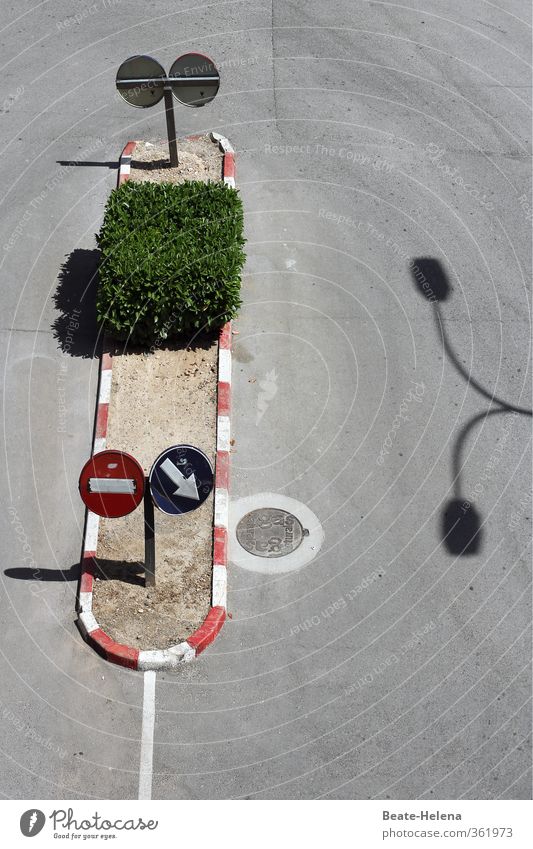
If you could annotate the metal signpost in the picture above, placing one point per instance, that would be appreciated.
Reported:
(193, 80)
(149, 539)
(180, 479)
(112, 484)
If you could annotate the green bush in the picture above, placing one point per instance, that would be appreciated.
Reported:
(171, 258)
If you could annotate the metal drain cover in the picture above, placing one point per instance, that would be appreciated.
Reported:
(270, 532)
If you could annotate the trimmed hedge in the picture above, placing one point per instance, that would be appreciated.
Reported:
(171, 259)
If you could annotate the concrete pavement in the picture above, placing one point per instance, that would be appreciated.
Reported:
(370, 137)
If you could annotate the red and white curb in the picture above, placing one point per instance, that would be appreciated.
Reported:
(228, 171)
(174, 656)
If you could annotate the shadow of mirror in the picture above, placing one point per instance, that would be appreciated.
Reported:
(461, 528)
(430, 278)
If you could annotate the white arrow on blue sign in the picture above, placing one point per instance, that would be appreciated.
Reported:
(180, 479)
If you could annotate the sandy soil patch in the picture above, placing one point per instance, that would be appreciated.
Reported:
(199, 159)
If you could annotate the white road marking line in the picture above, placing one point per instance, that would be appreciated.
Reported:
(147, 736)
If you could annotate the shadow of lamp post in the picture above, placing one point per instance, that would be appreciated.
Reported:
(461, 525)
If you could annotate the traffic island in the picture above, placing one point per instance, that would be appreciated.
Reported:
(166, 397)
(152, 395)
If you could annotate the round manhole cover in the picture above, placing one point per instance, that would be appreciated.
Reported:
(270, 532)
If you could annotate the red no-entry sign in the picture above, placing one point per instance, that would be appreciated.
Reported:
(112, 484)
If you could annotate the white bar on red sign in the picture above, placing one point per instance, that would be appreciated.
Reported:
(120, 486)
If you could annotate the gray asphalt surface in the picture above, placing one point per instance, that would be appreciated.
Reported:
(382, 157)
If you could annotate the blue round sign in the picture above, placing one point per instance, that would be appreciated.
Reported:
(180, 479)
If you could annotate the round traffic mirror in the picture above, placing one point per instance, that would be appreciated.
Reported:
(140, 81)
(194, 79)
